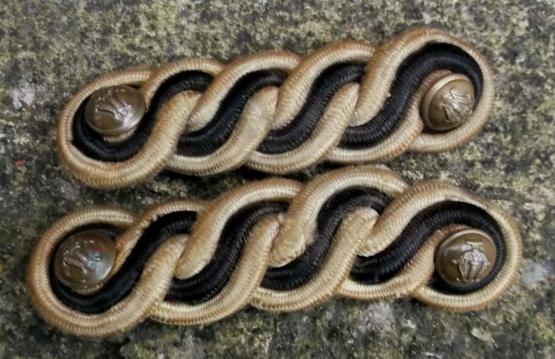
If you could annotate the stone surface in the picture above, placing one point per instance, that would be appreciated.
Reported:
(49, 49)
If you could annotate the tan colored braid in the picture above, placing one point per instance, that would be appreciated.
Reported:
(278, 240)
(273, 108)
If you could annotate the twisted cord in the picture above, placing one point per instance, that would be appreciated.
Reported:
(277, 112)
(278, 245)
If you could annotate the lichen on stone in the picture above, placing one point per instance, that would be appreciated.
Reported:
(49, 49)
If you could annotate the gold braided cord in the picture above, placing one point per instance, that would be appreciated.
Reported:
(272, 108)
(274, 241)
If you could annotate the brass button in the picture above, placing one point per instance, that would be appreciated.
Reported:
(113, 111)
(448, 103)
(85, 259)
(465, 257)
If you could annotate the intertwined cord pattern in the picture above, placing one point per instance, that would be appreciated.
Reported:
(278, 112)
(278, 245)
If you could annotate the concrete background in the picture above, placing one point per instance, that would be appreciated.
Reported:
(49, 49)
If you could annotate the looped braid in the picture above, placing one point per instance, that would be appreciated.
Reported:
(278, 245)
(277, 112)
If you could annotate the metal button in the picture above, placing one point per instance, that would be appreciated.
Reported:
(465, 257)
(85, 259)
(448, 103)
(113, 111)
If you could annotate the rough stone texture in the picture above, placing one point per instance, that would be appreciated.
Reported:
(49, 49)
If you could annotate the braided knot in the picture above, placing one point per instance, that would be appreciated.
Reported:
(277, 112)
(279, 245)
